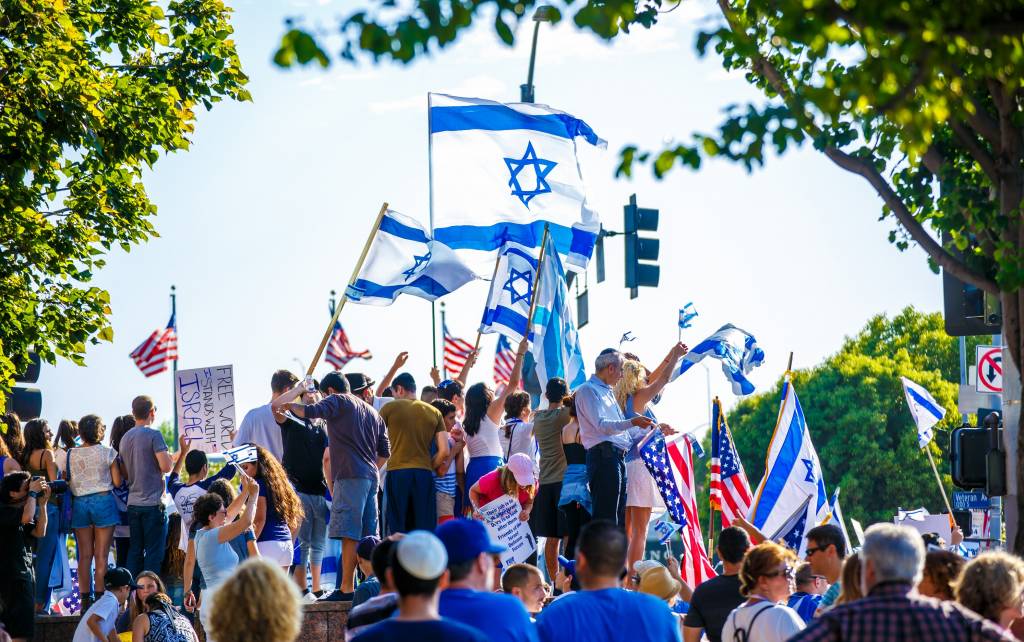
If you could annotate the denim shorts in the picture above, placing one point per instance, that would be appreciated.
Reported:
(96, 509)
(353, 509)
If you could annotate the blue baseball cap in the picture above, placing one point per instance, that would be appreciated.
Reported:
(465, 539)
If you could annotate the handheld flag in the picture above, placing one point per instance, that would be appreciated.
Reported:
(627, 337)
(671, 465)
(792, 530)
(926, 411)
(243, 454)
(339, 350)
(687, 313)
(403, 259)
(836, 515)
(155, 353)
(792, 472)
(508, 302)
(456, 351)
(730, 491)
(556, 343)
(735, 348)
(504, 361)
(664, 528)
(500, 172)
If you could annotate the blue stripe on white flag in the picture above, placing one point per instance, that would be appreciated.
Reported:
(926, 403)
(778, 476)
(498, 117)
(570, 241)
(391, 225)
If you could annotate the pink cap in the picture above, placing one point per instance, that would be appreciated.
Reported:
(522, 469)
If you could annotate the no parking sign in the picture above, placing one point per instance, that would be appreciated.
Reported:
(990, 369)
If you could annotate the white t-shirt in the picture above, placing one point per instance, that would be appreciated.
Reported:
(106, 608)
(486, 442)
(777, 623)
(90, 469)
(522, 440)
(259, 428)
(184, 500)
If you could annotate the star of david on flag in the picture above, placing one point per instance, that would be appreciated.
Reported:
(737, 351)
(500, 172)
(403, 259)
(508, 303)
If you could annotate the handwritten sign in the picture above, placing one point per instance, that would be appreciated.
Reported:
(205, 402)
(502, 520)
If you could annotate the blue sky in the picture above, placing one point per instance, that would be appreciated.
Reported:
(269, 209)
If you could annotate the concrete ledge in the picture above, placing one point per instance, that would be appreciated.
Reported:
(322, 622)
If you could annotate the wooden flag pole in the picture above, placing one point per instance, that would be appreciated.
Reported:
(942, 489)
(344, 293)
(536, 282)
(711, 532)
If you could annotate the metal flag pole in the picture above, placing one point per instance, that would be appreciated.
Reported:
(711, 513)
(430, 209)
(174, 363)
(344, 293)
(536, 282)
(444, 325)
(494, 274)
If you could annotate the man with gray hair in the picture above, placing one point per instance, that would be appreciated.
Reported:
(891, 563)
(604, 431)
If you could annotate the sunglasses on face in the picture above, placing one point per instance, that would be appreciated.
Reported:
(811, 550)
(786, 572)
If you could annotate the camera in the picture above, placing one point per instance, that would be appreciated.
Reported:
(57, 486)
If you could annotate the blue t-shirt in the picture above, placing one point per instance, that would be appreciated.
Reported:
(502, 618)
(804, 604)
(274, 528)
(443, 630)
(370, 587)
(605, 615)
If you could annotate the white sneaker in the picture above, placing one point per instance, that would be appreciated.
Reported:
(309, 597)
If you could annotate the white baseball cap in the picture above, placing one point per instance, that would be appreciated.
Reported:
(422, 555)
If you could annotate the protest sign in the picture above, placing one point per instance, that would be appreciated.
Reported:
(502, 520)
(928, 524)
(204, 400)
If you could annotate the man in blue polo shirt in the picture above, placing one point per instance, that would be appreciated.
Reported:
(469, 598)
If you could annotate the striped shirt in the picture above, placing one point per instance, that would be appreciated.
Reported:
(894, 611)
(445, 483)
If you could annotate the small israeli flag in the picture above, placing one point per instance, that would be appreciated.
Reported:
(735, 348)
(501, 172)
(924, 409)
(627, 337)
(917, 514)
(403, 259)
(243, 454)
(508, 303)
(664, 528)
(687, 313)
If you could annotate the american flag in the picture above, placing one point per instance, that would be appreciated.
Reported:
(730, 492)
(456, 351)
(71, 604)
(155, 353)
(671, 465)
(504, 359)
(339, 350)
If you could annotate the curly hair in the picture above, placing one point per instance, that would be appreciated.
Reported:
(760, 561)
(204, 509)
(942, 568)
(849, 580)
(258, 603)
(10, 430)
(989, 583)
(280, 494)
(634, 377)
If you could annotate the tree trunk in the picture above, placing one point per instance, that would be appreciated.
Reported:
(1013, 421)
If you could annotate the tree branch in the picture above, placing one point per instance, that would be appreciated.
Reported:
(858, 166)
(969, 140)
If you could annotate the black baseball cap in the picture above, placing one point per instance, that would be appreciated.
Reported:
(358, 382)
(117, 577)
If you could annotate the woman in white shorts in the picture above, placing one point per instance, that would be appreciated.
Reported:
(278, 511)
(635, 392)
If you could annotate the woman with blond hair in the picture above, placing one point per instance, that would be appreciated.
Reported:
(635, 392)
(766, 580)
(849, 580)
(278, 512)
(991, 585)
(259, 603)
(515, 479)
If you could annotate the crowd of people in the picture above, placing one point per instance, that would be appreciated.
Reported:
(402, 482)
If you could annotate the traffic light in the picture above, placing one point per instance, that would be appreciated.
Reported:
(26, 402)
(968, 311)
(976, 455)
(638, 248)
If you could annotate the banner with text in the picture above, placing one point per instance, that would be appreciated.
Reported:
(205, 402)
(502, 520)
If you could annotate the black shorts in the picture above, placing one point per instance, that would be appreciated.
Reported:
(18, 612)
(545, 519)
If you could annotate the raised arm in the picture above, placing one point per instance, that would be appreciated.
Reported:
(395, 367)
(658, 378)
(497, 407)
(184, 446)
(237, 527)
(284, 401)
(466, 367)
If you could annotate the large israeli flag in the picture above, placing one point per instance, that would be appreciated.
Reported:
(792, 472)
(556, 343)
(926, 411)
(508, 303)
(500, 172)
(403, 259)
(735, 348)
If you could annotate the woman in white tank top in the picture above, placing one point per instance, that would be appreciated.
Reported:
(483, 412)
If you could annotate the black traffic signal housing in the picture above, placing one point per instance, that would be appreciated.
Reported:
(976, 456)
(638, 248)
(26, 402)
